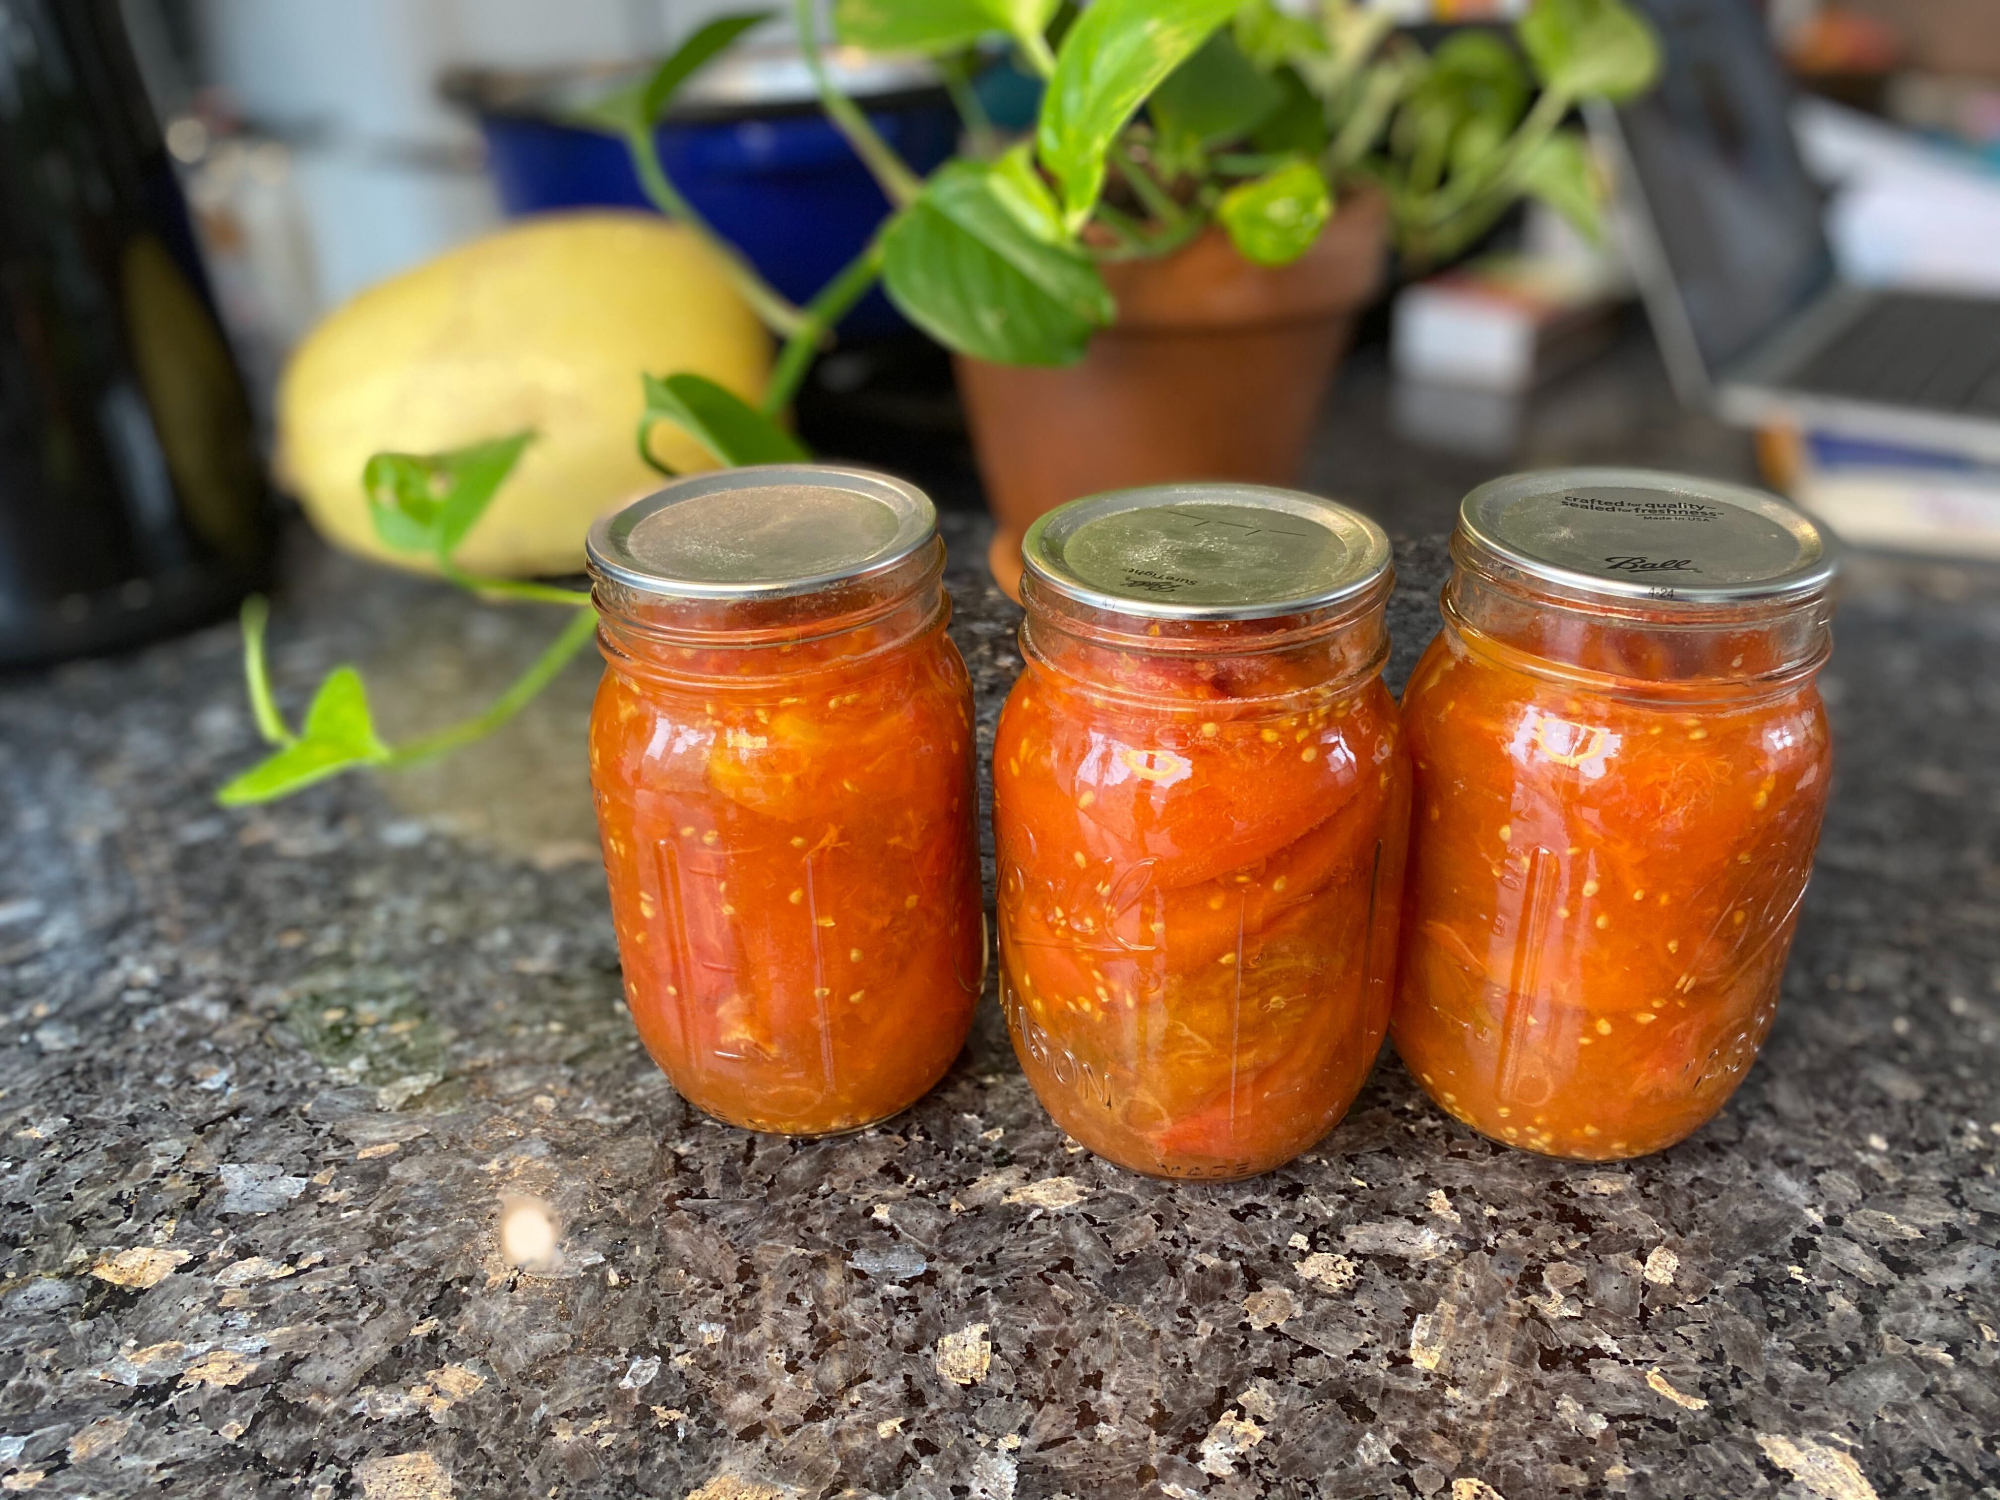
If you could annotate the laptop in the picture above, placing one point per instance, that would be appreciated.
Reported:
(1738, 278)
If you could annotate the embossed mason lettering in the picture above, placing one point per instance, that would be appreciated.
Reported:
(1036, 1042)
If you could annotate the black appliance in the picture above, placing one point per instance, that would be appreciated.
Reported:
(132, 496)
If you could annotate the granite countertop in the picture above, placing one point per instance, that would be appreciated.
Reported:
(266, 1077)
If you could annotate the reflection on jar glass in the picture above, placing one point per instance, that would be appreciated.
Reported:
(1200, 800)
(1621, 766)
(782, 757)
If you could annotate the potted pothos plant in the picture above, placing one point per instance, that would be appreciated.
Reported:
(1155, 284)
(1158, 283)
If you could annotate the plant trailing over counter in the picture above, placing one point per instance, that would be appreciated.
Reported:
(420, 504)
(1159, 119)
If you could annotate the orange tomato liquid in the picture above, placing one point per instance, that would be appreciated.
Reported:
(1197, 904)
(794, 873)
(1602, 894)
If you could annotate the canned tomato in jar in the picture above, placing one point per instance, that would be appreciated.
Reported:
(782, 755)
(1200, 800)
(1621, 765)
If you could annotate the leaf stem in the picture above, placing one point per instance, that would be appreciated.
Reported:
(815, 332)
(1432, 244)
(980, 138)
(566, 645)
(1246, 163)
(1159, 202)
(775, 312)
(514, 588)
(1380, 89)
(1128, 231)
(899, 183)
(1426, 167)
(1494, 172)
(257, 673)
(1352, 35)
(1135, 241)
(1035, 48)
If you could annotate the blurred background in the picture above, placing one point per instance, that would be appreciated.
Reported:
(1799, 287)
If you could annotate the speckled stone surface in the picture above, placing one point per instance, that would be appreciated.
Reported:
(265, 1079)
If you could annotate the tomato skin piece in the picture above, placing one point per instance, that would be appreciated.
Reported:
(1197, 909)
(794, 876)
(1602, 894)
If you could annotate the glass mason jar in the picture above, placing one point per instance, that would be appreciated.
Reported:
(1621, 765)
(782, 756)
(1201, 800)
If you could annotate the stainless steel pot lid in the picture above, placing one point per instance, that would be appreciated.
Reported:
(774, 71)
(1640, 533)
(1206, 551)
(762, 532)
(753, 78)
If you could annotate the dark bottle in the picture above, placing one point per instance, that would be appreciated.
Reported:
(132, 498)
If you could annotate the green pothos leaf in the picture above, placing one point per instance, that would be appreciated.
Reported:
(427, 502)
(1590, 48)
(1019, 188)
(912, 25)
(1474, 80)
(1297, 123)
(339, 733)
(638, 105)
(1560, 172)
(935, 25)
(1271, 37)
(1273, 220)
(720, 420)
(1020, 17)
(981, 263)
(1217, 95)
(1116, 53)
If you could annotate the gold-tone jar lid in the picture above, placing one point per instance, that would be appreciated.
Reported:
(767, 531)
(1643, 534)
(1206, 551)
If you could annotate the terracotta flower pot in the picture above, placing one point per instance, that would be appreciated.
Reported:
(1214, 370)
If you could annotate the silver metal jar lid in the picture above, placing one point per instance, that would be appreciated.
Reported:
(762, 532)
(1643, 534)
(1206, 551)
